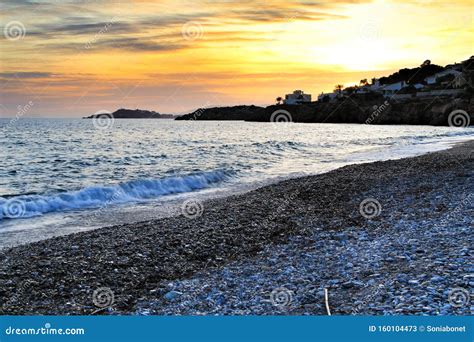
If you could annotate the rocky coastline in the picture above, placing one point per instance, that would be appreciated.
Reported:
(373, 109)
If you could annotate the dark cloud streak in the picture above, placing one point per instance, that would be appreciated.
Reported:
(25, 74)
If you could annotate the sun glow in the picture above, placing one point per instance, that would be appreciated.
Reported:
(219, 52)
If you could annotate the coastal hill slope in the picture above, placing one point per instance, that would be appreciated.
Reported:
(424, 95)
(357, 109)
(248, 113)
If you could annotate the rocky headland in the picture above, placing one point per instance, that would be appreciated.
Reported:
(362, 109)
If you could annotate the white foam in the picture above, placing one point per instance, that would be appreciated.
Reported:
(97, 196)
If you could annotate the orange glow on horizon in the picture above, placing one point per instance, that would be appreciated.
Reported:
(175, 56)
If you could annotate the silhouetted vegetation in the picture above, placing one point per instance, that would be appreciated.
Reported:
(413, 75)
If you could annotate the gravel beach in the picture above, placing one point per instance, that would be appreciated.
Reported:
(383, 238)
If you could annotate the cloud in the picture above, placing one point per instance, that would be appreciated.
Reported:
(25, 74)
(280, 14)
(248, 49)
(49, 31)
(120, 43)
(138, 44)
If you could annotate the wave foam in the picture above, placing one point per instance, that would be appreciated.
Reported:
(97, 196)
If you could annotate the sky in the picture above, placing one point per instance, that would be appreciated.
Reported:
(76, 58)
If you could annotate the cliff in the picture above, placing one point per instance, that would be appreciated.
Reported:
(375, 110)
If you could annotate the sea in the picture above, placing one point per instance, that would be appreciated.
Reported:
(62, 176)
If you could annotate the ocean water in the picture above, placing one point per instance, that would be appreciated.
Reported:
(64, 176)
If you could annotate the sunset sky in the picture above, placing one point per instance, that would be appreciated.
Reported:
(74, 58)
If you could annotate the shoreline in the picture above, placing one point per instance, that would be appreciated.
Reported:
(139, 261)
(39, 228)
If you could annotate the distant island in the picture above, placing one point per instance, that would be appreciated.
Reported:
(123, 113)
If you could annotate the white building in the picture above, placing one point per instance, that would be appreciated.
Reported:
(455, 66)
(363, 89)
(297, 97)
(375, 84)
(330, 96)
(433, 78)
(393, 88)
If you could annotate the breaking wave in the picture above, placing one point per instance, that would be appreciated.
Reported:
(97, 196)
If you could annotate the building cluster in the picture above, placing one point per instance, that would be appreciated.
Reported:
(451, 78)
(452, 72)
(298, 97)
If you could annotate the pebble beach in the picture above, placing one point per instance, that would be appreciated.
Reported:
(384, 238)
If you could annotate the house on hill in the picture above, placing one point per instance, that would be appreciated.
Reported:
(323, 97)
(393, 88)
(375, 86)
(433, 79)
(298, 97)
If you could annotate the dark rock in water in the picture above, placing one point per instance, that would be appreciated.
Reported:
(133, 114)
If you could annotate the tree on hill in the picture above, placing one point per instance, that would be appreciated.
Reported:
(338, 88)
(414, 75)
(425, 63)
(279, 99)
(351, 90)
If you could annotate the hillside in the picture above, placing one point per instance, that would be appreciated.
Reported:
(134, 114)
